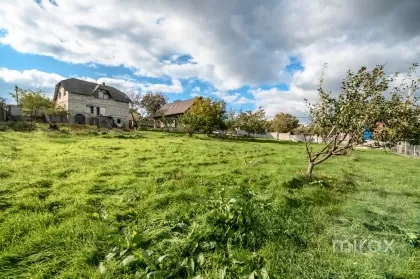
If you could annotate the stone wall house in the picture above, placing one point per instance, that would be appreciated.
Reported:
(92, 103)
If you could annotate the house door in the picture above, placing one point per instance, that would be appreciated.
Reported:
(79, 119)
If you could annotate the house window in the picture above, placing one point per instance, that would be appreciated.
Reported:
(100, 95)
(106, 97)
(118, 121)
(98, 110)
(92, 110)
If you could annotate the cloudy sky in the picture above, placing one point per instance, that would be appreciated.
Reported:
(249, 53)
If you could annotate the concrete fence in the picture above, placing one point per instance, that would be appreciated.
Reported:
(280, 136)
(406, 149)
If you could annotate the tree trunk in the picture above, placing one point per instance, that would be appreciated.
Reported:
(310, 169)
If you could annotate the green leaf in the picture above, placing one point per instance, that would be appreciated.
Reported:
(138, 240)
(128, 260)
(200, 259)
(160, 274)
(264, 273)
(222, 273)
(147, 259)
(190, 267)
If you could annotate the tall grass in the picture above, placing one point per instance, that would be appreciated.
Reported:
(107, 204)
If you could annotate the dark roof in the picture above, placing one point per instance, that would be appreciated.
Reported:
(174, 108)
(83, 87)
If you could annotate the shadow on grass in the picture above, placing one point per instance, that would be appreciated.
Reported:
(300, 221)
(346, 184)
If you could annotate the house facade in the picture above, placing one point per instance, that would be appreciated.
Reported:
(92, 103)
(171, 113)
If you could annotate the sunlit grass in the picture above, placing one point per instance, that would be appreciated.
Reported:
(63, 195)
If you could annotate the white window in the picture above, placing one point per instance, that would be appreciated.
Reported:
(100, 95)
(102, 111)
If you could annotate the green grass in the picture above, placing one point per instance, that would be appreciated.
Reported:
(68, 200)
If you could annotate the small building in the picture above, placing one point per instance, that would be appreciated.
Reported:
(2, 113)
(172, 112)
(92, 103)
(13, 113)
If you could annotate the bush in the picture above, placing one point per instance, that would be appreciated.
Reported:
(18, 126)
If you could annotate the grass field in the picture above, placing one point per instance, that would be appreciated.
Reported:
(115, 205)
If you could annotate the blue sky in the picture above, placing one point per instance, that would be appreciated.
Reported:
(17, 61)
(251, 54)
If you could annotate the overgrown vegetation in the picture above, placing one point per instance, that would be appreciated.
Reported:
(106, 204)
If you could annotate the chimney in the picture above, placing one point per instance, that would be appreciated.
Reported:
(103, 83)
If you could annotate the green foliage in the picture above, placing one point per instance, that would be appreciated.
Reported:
(230, 121)
(204, 114)
(284, 123)
(35, 104)
(18, 126)
(152, 102)
(252, 122)
(190, 123)
(233, 229)
(2, 102)
(363, 102)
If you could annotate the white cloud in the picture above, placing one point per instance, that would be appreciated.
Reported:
(175, 87)
(34, 80)
(243, 100)
(30, 79)
(232, 44)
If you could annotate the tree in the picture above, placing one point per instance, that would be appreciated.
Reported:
(34, 104)
(364, 100)
(206, 114)
(230, 121)
(135, 105)
(152, 102)
(2, 102)
(16, 95)
(252, 122)
(191, 123)
(284, 123)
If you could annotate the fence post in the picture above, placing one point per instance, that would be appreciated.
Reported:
(414, 151)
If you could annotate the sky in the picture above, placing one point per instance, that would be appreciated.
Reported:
(249, 53)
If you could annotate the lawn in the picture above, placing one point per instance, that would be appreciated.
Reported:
(124, 205)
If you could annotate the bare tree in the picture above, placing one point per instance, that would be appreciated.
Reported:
(135, 105)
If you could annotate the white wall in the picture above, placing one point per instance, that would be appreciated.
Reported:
(78, 104)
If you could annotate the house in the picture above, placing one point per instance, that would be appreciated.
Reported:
(92, 103)
(2, 113)
(140, 121)
(172, 112)
(13, 113)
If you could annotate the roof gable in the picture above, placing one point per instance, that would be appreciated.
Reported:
(174, 108)
(83, 87)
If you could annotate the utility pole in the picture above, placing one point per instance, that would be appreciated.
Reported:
(17, 94)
